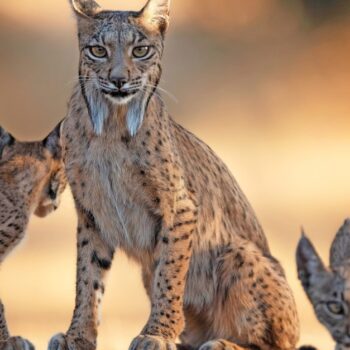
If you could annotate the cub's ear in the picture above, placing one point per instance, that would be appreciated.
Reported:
(309, 264)
(6, 139)
(86, 8)
(155, 15)
(53, 141)
(340, 249)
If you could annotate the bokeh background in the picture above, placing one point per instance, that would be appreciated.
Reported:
(265, 82)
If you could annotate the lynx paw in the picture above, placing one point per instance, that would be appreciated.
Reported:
(16, 343)
(219, 345)
(65, 342)
(150, 342)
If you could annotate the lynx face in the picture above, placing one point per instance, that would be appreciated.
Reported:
(120, 55)
(329, 288)
(43, 162)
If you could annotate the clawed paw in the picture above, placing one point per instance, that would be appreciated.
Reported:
(16, 343)
(65, 342)
(150, 342)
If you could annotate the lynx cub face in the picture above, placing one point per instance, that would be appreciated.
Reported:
(38, 166)
(329, 288)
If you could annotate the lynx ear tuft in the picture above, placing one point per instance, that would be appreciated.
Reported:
(85, 7)
(340, 249)
(6, 139)
(155, 15)
(53, 141)
(309, 263)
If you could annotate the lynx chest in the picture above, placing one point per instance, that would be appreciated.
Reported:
(106, 179)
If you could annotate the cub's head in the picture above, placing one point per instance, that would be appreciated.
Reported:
(36, 167)
(329, 288)
(120, 54)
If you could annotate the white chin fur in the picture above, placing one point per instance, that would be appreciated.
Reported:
(119, 101)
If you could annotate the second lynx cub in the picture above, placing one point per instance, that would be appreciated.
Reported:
(31, 181)
(329, 288)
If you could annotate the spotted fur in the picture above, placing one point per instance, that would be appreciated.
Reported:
(32, 179)
(144, 184)
(328, 289)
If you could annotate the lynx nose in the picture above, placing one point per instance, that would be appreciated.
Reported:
(119, 82)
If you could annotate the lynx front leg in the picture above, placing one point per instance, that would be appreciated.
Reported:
(172, 262)
(94, 260)
(4, 332)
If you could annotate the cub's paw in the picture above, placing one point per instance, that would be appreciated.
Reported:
(219, 345)
(16, 343)
(66, 342)
(151, 342)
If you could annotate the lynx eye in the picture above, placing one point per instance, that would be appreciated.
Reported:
(141, 51)
(335, 308)
(98, 51)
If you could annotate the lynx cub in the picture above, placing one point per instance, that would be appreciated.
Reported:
(144, 184)
(329, 288)
(31, 181)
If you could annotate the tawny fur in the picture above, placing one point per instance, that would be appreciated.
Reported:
(32, 179)
(144, 184)
(328, 289)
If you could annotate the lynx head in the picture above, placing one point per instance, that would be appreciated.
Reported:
(120, 54)
(38, 166)
(329, 288)
(57, 181)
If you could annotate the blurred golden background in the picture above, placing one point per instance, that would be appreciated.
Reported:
(266, 83)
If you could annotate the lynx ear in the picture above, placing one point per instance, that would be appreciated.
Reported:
(309, 263)
(340, 249)
(85, 7)
(155, 15)
(53, 141)
(6, 139)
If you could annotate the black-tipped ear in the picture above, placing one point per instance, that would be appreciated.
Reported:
(53, 141)
(309, 263)
(155, 15)
(6, 139)
(340, 249)
(86, 8)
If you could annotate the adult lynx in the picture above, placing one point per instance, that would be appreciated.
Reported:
(144, 184)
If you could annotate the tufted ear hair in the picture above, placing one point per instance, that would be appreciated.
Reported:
(340, 249)
(6, 139)
(85, 8)
(309, 264)
(155, 15)
(53, 141)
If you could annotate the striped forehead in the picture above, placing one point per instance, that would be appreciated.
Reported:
(116, 28)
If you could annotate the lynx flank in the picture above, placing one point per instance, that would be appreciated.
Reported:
(144, 184)
(329, 289)
(31, 180)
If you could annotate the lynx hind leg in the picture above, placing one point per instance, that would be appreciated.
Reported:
(254, 304)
